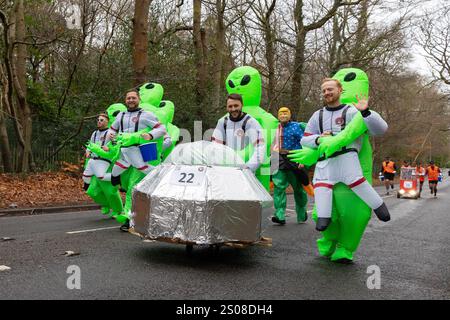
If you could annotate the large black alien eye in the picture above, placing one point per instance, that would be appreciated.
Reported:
(115, 113)
(231, 84)
(350, 77)
(245, 80)
(150, 86)
(162, 104)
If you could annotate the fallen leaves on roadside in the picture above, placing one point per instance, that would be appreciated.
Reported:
(41, 189)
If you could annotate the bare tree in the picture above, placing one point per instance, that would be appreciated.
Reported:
(434, 37)
(140, 40)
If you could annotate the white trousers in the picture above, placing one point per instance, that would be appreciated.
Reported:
(346, 169)
(97, 168)
(130, 156)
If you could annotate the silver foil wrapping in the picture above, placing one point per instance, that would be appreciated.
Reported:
(202, 194)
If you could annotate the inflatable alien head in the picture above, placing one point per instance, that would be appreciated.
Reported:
(160, 113)
(151, 93)
(245, 81)
(113, 110)
(354, 82)
(168, 108)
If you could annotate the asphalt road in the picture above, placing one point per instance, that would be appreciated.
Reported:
(412, 252)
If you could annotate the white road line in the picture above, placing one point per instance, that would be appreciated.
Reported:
(91, 230)
(290, 210)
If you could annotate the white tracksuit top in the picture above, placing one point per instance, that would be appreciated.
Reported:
(332, 120)
(239, 134)
(101, 138)
(131, 121)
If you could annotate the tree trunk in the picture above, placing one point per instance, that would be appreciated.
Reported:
(4, 110)
(200, 85)
(218, 61)
(270, 56)
(20, 86)
(297, 79)
(361, 34)
(4, 143)
(140, 41)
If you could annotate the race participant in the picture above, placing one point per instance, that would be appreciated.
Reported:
(420, 173)
(288, 136)
(388, 170)
(239, 129)
(433, 172)
(133, 120)
(343, 166)
(98, 166)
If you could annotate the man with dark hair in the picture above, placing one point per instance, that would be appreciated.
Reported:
(239, 129)
(133, 120)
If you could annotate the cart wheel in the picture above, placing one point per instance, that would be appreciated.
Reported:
(398, 195)
(189, 248)
(214, 249)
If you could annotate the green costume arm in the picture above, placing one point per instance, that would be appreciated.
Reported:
(356, 127)
(306, 156)
(97, 149)
(129, 139)
(329, 145)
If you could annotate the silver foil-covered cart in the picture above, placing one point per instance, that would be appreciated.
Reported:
(202, 195)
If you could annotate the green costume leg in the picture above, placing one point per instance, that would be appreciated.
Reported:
(134, 178)
(264, 178)
(95, 192)
(280, 183)
(352, 222)
(300, 196)
(327, 244)
(113, 197)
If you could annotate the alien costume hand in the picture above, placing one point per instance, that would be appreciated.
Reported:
(305, 156)
(331, 144)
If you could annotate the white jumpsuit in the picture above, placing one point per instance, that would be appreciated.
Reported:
(344, 167)
(98, 166)
(238, 134)
(130, 122)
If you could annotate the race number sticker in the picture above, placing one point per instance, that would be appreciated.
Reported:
(408, 184)
(188, 176)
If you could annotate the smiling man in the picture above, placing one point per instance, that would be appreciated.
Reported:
(239, 129)
(342, 166)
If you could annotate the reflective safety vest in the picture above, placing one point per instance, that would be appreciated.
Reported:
(388, 166)
(433, 173)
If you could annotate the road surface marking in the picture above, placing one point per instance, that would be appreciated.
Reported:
(91, 230)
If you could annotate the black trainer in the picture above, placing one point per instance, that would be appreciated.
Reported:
(322, 224)
(392, 186)
(276, 220)
(126, 226)
(383, 213)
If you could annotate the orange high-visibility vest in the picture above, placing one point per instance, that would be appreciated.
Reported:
(433, 174)
(388, 166)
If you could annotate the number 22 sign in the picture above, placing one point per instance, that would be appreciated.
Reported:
(188, 176)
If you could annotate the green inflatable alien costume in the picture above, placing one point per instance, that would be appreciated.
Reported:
(151, 95)
(102, 192)
(246, 81)
(350, 214)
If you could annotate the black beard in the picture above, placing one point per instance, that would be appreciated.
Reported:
(233, 118)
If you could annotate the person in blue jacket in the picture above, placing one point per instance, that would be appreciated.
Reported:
(288, 136)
